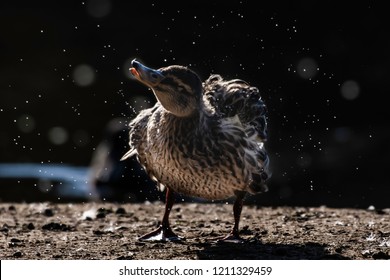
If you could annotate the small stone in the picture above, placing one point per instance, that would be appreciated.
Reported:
(339, 250)
(30, 226)
(380, 211)
(48, 212)
(100, 215)
(120, 210)
(264, 232)
(103, 212)
(17, 254)
(56, 227)
(4, 228)
(12, 244)
(15, 240)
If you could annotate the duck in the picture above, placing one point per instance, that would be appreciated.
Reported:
(200, 139)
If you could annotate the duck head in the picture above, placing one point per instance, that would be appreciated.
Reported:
(177, 88)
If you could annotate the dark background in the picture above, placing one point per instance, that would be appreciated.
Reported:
(322, 70)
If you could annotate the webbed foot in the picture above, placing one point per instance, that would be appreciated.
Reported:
(161, 234)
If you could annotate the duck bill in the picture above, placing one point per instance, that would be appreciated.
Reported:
(146, 75)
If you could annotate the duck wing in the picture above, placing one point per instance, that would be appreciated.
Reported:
(239, 107)
(237, 98)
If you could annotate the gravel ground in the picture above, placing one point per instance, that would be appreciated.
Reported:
(110, 231)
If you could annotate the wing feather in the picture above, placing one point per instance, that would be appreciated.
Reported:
(239, 105)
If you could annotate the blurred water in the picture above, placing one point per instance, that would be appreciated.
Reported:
(33, 181)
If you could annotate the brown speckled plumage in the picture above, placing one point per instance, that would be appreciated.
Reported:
(203, 140)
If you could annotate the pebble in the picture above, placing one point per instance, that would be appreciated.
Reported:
(103, 212)
(48, 212)
(4, 228)
(14, 242)
(339, 250)
(100, 215)
(98, 232)
(17, 254)
(56, 227)
(30, 226)
(120, 210)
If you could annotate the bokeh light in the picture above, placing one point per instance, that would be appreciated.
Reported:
(58, 135)
(83, 75)
(26, 123)
(98, 8)
(307, 68)
(350, 90)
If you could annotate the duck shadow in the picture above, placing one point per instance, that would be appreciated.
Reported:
(254, 250)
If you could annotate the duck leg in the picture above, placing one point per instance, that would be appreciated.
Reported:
(234, 236)
(164, 231)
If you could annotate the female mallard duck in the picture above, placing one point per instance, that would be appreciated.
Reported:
(203, 140)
